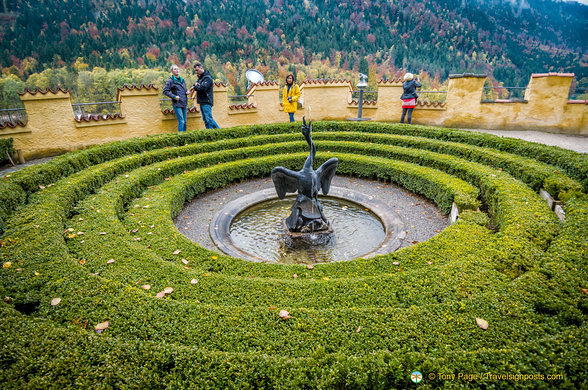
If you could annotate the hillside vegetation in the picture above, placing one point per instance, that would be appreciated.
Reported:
(508, 40)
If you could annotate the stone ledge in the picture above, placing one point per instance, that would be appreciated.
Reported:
(120, 121)
(503, 101)
(459, 76)
(15, 130)
(552, 74)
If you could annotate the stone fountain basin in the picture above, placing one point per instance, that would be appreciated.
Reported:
(220, 226)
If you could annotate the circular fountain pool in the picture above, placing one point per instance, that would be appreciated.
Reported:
(252, 228)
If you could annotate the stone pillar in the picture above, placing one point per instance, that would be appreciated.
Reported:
(50, 123)
(141, 108)
(547, 97)
(464, 96)
(327, 99)
(389, 103)
(266, 98)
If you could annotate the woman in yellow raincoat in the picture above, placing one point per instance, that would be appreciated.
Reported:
(290, 96)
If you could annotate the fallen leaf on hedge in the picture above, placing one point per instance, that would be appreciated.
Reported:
(146, 286)
(82, 262)
(284, 314)
(584, 290)
(101, 326)
(102, 233)
(168, 290)
(177, 252)
(482, 323)
(185, 261)
(55, 301)
(295, 276)
(395, 263)
(273, 308)
(310, 266)
(160, 294)
(207, 274)
(214, 257)
(7, 264)
(325, 278)
(110, 261)
(429, 262)
(358, 329)
(135, 230)
(37, 274)
(194, 281)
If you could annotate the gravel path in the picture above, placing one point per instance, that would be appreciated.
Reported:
(576, 143)
(422, 219)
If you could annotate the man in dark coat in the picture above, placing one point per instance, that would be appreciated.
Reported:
(204, 95)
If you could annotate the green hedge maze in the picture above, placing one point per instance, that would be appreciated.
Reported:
(100, 290)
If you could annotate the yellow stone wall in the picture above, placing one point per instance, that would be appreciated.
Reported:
(326, 100)
(52, 129)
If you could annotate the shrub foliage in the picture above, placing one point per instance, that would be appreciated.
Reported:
(94, 229)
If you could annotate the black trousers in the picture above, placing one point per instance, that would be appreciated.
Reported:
(409, 118)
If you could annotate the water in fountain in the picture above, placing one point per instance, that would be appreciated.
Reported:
(259, 231)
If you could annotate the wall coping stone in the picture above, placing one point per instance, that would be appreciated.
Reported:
(464, 75)
(552, 74)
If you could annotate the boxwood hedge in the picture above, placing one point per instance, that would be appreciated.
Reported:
(94, 229)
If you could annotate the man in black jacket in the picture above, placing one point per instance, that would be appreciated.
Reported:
(204, 95)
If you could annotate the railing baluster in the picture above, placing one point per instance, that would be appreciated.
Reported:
(12, 116)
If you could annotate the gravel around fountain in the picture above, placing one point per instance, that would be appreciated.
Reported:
(422, 218)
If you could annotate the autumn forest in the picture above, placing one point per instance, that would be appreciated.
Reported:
(93, 46)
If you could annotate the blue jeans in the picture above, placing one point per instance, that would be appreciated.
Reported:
(206, 111)
(182, 115)
(291, 116)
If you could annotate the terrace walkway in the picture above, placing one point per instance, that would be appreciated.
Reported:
(576, 143)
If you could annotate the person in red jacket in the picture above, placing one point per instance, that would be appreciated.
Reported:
(409, 97)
